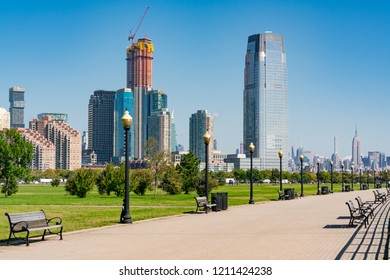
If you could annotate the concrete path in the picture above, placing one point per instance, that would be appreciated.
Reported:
(311, 228)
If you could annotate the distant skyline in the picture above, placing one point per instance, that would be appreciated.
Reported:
(337, 57)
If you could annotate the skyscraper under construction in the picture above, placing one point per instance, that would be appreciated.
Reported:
(139, 79)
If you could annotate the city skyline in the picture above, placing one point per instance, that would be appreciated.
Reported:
(75, 49)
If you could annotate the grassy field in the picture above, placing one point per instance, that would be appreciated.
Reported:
(99, 210)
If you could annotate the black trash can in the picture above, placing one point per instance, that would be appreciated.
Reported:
(324, 190)
(347, 188)
(290, 193)
(217, 200)
(224, 198)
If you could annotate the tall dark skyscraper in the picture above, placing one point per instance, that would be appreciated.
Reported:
(16, 107)
(266, 99)
(101, 124)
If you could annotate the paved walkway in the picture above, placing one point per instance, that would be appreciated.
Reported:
(311, 228)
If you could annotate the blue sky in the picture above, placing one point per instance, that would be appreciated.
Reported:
(337, 55)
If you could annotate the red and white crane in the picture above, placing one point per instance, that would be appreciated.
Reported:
(132, 35)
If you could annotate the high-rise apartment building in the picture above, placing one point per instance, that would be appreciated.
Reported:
(200, 122)
(44, 150)
(265, 112)
(139, 79)
(101, 124)
(4, 119)
(16, 108)
(356, 152)
(66, 140)
(124, 100)
(159, 127)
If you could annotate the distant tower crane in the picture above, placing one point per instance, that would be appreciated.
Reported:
(132, 35)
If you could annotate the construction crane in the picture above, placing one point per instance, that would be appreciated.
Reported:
(132, 35)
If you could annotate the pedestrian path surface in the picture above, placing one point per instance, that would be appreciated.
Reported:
(310, 228)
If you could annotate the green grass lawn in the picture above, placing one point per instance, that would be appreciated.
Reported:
(99, 210)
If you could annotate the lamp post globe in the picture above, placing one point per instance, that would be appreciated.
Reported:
(280, 154)
(125, 215)
(301, 159)
(251, 150)
(331, 176)
(206, 139)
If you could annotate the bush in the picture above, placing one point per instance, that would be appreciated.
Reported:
(55, 182)
(141, 180)
(201, 187)
(81, 182)
(171, 181)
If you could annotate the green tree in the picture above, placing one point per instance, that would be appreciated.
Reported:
(81, 182)
(188, 168)
(219, 176)
(201, 186)
(275, 174)
(55, 182)
(324, 177)
(141, 180)
(157, 160)
(257, 176)
(171, 180)
(239, 175)
(16, 155)
(112, 179)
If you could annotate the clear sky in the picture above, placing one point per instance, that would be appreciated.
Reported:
(337, 53)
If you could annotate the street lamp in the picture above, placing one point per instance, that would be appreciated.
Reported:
(318, 176)
(360, 177)
(251, 150)
(342, 177)
(301, 159)
(331, 176)
(368, 176)
(125, 215)
(206, 139)
(374, 180)
(352, 167)
(280, 153)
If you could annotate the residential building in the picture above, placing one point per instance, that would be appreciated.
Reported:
(200, 122)
(101, 124)
(4, 119)
(265, 109)
(67, 141)
(16, 109)
(159, 127)
(44, 150)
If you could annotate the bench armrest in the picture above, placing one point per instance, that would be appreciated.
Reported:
(56, 220)
(19, 226)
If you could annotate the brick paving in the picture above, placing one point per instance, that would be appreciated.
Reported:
(311, 228)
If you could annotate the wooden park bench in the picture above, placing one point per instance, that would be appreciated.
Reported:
(379, 197)
(33, 221)
(202, 203)
(356, 215)
(365, 207)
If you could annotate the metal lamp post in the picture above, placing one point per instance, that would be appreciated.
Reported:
(360, 177)
(206, 139)
(318, 176)
(342, 177)
(352, 169)
(301, 159)
(280, 153)
(125, 215)
(331, 176)
(374, 180)
(251, 150)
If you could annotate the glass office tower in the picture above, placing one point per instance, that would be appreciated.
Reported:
(266, 99)
(16, 107)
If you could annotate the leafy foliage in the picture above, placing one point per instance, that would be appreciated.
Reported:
(201, 186)
(171, 180)
(81, 182)
(112, 179)
(188, 168)
(141, 180)
(16, 155)
(55, 182)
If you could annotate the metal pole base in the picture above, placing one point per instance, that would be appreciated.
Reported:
(251, 201)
